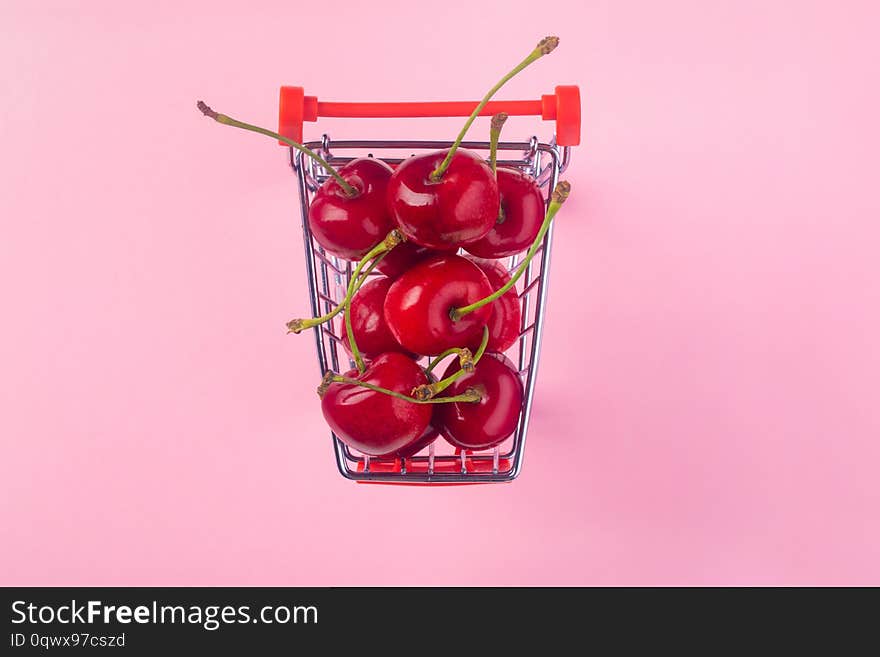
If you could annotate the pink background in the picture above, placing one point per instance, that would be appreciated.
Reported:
(707, 410)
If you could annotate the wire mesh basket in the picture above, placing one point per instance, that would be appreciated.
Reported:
(328, 278)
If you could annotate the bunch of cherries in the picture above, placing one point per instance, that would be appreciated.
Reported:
(411, 224)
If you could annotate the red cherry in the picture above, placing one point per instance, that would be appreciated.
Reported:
(349, 226)
(402, 257)
(459, 208)
(486, 423)
(373, 422)
(522, 207)
(371, 331)
(418, 303)
(505, 321)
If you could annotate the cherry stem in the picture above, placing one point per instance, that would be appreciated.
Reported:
(464, 356)
(391, 240)
(545, 47)
(469, 395)
(431, 389)
(228, 120)
(494, 135)
(300, 325)
(556, 200)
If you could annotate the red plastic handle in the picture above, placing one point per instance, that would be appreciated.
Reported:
(562, 106)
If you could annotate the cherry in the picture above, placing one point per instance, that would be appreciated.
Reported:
(418, 304)
(403, 257)
(506, 318)
(518, 223)
(459, 208)
(348, 215)
(371, 331)
(374, 422)
(349, 225)
(488, 422)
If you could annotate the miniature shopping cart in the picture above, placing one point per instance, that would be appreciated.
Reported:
(328, 276)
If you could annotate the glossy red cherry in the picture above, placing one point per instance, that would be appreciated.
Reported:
(459, 208)
(505, 321)
(522, 212)
(373, 422)
(371, 331)
(403, 257)
(349, 226)
(488, 422)
(418, 303)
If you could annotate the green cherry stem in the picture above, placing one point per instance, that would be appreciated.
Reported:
(494, 135)
(464, 356)
(393, 238)
(469, 395)
(556, 200)
(545, 47)
(228, 120)
(429, 390)
(352, 343)
(300, 325)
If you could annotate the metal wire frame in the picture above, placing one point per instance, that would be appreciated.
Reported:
(328, 278)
